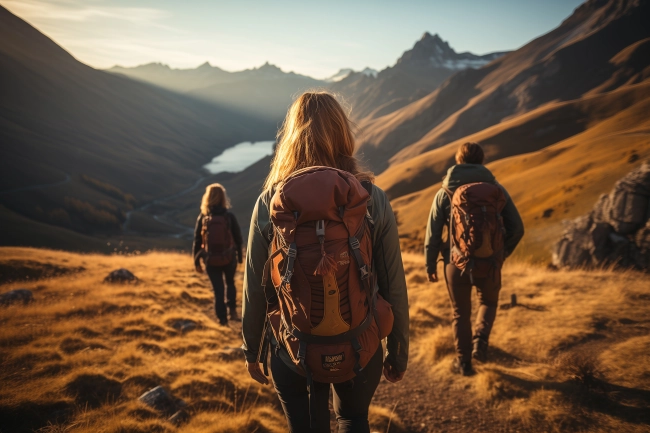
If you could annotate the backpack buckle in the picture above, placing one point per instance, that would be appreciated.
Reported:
(364, 272)
(354, 243)
(320, 228)
(292, 252)
(287, 277)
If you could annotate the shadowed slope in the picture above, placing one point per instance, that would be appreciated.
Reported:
(566, 178)
(59, 115)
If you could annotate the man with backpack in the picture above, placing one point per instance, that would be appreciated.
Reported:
(483, 228)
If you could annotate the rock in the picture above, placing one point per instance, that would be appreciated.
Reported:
(121, 276)
(160, 400)
(616, 231)
(23, 296)
(180, 417)
(183, 325)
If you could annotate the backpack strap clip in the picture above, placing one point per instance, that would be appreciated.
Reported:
(292, 252)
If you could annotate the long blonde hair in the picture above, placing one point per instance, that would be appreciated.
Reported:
(316, 131)
(215, 195)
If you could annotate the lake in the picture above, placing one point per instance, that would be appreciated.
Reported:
(240, 156)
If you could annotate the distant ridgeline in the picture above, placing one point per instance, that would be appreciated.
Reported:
(89, 155)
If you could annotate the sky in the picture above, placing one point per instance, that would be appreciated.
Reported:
(307, 37)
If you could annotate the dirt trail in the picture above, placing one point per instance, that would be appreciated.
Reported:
(425, 405)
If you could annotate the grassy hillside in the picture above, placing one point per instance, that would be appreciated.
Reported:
(567, 177)
(602, 46)
(571, 357)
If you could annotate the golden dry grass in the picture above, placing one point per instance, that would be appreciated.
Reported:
(78, 357)
(574, 355)
(566, 177)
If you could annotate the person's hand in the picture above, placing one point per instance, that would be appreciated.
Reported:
(256, 373)
(433, 278)
(391, 374)
(198, 268)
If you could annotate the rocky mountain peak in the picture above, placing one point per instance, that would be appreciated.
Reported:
(431, 51)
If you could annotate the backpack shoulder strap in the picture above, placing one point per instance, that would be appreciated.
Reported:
(449, 193)
(367, 185)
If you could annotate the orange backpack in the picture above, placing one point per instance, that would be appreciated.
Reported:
(326, 310)
(476, 231)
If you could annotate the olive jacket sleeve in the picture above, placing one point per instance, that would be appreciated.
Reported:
(253, 297)
(388, 268)
(512, 223)
(391, 280)
(438, 216)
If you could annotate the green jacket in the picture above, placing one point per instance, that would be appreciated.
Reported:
(459, 175)
(388, 267)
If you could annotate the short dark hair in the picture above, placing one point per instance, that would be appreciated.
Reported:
(470, 153)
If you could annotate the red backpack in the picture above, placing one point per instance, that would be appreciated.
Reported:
(217, 238)
(326, 310)
(476, 231)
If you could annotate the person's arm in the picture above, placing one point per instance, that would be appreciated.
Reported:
(196, 246)
(253, 297)
(512, 223)
(389, 269)
(435, 225)
(236, 236)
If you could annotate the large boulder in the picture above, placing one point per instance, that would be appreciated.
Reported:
(616, 231)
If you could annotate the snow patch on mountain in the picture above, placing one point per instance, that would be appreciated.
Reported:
(345, 72)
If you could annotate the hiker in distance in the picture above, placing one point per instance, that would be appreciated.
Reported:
(218, 244)
(483, 229)
(323, 268)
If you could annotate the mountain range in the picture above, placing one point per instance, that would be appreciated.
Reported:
(267, 91)
(560, 118)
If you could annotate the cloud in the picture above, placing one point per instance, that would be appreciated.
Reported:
(84, 11)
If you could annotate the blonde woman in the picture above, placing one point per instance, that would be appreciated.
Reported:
(218, 244)
(317, 132)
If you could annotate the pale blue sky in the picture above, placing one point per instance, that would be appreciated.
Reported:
(313, 38)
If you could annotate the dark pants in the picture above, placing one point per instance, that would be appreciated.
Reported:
(217, 275)
(460, 294)
(351, 398)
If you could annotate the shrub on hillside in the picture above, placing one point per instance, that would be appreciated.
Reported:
(90, 214)
(108, 189)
